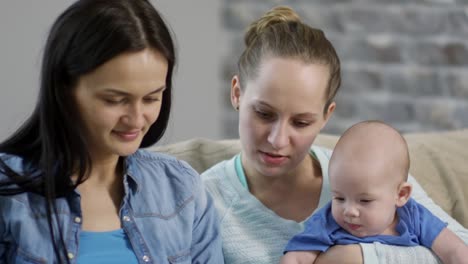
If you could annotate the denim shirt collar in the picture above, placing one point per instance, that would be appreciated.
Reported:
(131, 180)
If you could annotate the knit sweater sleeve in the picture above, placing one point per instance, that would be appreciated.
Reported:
(378, 253)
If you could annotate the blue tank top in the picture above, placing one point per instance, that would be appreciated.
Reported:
(105, 247)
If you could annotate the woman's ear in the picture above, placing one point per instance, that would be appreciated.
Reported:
(235, 92)
(404, 193)
(328, 113)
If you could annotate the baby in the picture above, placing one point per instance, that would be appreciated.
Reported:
(371, 201)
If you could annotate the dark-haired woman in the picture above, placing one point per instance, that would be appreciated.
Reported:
(75, 187)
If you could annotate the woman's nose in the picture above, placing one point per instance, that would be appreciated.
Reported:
(134, 116)
(278, 136)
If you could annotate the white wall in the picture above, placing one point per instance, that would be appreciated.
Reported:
(197, 104)
(197, 27)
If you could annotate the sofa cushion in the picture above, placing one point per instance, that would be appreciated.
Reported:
(439, 161)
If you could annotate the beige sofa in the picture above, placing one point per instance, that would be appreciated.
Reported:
(439, 161)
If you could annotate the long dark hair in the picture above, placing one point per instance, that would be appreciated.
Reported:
(50, 143)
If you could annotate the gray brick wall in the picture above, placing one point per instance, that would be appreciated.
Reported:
(403, 61)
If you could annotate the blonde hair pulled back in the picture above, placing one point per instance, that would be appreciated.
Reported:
(280, 32)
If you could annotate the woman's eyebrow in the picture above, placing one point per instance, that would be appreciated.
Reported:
(119, 92)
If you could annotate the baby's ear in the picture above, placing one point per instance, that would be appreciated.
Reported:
(404, 193)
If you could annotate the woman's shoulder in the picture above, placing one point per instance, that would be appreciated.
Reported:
(152, 155)
(219, 169)
(11, 192)
(321, 152)
(12, 162)
(152, 158)
(221, 182)
(159, 168)
(161, 177)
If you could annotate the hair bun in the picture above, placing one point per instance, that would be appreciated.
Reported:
(279, 14)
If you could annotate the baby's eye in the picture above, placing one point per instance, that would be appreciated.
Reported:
(339, 199)
(366, 200)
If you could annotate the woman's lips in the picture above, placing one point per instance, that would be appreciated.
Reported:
(272, 159)
(127, 136)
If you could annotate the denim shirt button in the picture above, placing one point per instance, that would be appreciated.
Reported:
(70, 255)
(146, 258)
(77, 220)
(126, 218)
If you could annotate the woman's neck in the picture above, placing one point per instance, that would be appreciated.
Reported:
(292, 196)
(105, 171)
(101, 196)
(103, 174)
(258, 183)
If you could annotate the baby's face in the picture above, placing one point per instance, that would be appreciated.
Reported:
(364, 199)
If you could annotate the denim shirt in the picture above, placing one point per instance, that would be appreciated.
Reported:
(166, 213)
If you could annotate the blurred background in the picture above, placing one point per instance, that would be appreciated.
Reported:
(403, 61)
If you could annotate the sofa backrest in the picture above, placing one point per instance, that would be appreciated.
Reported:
(439, 161)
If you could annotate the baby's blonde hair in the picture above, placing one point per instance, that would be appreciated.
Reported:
(378, 138)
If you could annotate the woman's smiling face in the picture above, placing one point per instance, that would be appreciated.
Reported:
(119, 101)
